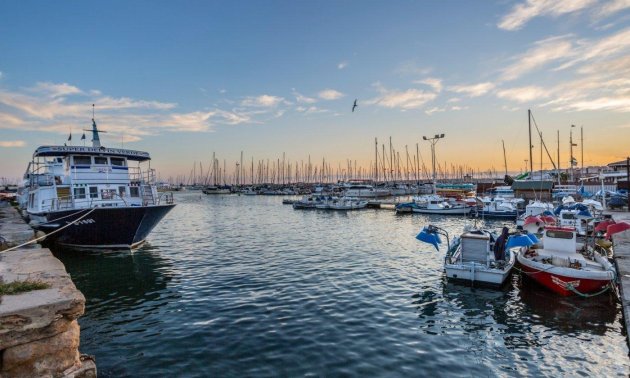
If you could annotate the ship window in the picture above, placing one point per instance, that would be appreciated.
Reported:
(560, 234)
(108, 194)
(118, 161)
(121, 191)
(100, 160)
(134, 191)
(82, 160)
(79, 193)
(93, 192)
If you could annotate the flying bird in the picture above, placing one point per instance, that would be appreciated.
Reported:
(355, 105)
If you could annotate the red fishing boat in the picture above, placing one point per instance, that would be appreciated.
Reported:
(565, 266)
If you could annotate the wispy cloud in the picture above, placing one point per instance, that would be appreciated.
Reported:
(302, 99)
(611, 7)
(593, 50)
(434, 110)
(330, 94)
(56, 90)
(524, 94)
(342, 65)
(412, 68)
(432, 82)
(12, 143)
(543, 52)
(406, 100)
(473, 90)
(262, 101)
(57, 108)
(522, 13)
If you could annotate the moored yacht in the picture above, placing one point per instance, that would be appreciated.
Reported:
(92, 197)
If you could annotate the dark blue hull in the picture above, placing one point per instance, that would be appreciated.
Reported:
(103, 227)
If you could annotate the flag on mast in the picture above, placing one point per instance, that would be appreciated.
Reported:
(83, 137)
(70, 137)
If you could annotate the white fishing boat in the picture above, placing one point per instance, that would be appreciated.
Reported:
(470, 257)
(92, 197)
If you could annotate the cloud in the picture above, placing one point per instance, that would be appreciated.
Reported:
(458, 108)
(522, 13)
(544, 52)
(342, 65)
(12, 143)
(330, 94)
(613, 45)
(46, 108)
(56, 90)
(267, 101)
(611, 7)
(8, 120)
(300, 98)
(434, 110)
(524, 94)
(432, 82)
(473, 90)
(409, 99)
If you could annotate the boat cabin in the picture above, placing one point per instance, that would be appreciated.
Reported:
(560, 239)
(68, 177)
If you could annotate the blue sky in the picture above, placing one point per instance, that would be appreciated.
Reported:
(185, 79)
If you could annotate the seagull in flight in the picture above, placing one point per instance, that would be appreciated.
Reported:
(355, 105)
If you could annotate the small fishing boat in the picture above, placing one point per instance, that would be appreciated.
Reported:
(563, 265)
(214, 189)
(470, 257)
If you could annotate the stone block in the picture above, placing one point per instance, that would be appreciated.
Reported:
(39, 358)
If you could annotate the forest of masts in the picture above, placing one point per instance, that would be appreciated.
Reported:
(393, 166)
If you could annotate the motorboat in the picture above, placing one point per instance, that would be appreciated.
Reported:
(497, 208)
(436, 204)
(363, 190)
(470, 256)
(94, 197)
(561, 264)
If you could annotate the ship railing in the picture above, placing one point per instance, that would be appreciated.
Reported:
(68, 202)
(146, 177)
(167, 197)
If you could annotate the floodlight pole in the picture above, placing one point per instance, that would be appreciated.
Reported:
(433, 142)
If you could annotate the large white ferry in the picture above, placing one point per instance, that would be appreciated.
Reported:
(93, 197)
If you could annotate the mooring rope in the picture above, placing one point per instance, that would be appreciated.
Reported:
(52, 233)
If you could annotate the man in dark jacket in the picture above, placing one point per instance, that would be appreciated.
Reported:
(499, 245)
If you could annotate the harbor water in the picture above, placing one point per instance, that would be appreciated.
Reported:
(245, 286)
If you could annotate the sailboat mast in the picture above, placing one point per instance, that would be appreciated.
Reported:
(375, 160)
(531, 161)
(504, 158)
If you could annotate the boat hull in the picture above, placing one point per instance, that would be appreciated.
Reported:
(560, 281)
(445, 211)
(104, 227)
(497, 215)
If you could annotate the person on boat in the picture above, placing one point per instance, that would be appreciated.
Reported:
(499, 245)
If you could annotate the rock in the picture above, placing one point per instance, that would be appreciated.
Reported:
(38, 358)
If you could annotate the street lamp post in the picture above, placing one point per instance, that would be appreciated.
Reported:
(433, 141)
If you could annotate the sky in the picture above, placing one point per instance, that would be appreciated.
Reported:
(184, 80)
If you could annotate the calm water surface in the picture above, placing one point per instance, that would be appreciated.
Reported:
(246, 286)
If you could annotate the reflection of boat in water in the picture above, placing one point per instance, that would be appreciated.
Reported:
(567, 314)
(116, 282)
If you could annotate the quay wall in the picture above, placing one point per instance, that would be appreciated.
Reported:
(39, 332)
(622, 262)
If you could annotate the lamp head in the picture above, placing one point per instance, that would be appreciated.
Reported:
(424, 138)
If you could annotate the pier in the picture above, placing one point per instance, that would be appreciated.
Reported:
(622, 262)
(39, 332)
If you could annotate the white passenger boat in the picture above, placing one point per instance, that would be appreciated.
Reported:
(93, 197)
(362, 190)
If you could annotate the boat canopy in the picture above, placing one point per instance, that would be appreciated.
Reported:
(98, 151)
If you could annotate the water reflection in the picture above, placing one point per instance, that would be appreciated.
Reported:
(570, 315)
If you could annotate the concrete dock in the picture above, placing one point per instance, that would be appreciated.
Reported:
(39, 332)
(622, 262)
